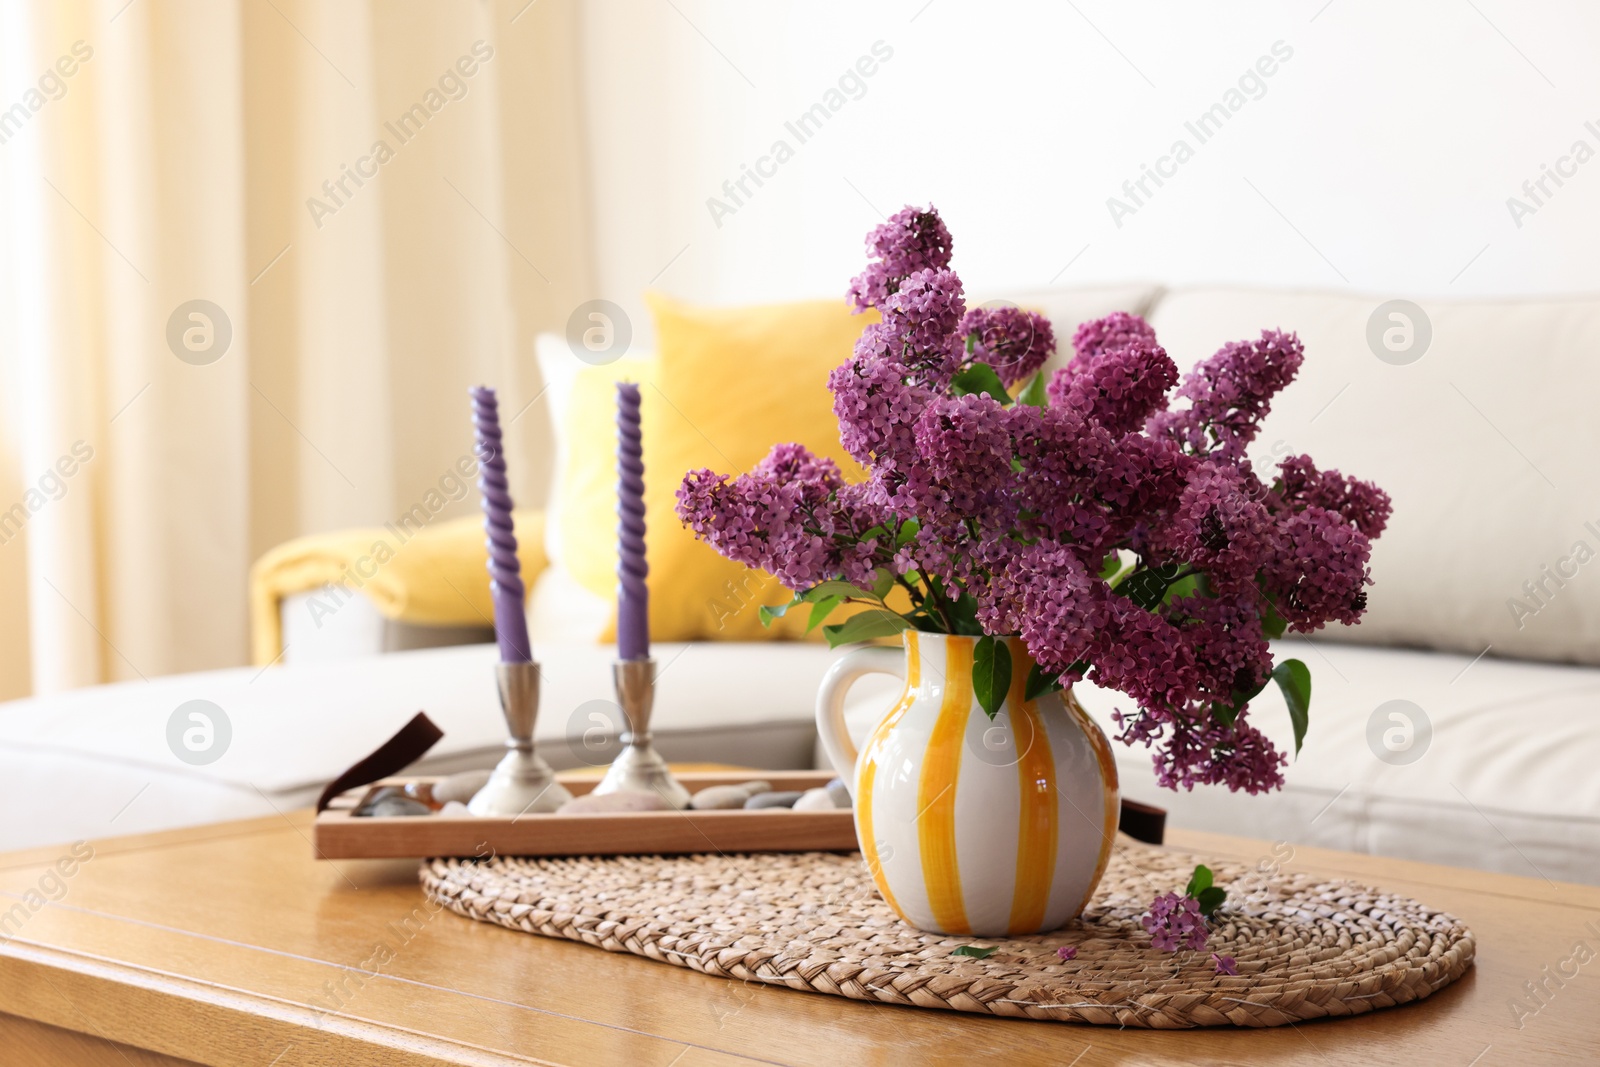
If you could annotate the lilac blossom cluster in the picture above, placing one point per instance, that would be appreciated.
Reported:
(1174, 922)
(1127, 540)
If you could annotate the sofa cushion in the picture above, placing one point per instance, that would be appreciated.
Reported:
(1486, 442)
(1473, 763)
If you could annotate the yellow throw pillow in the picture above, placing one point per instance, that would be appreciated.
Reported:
(731, 383)
(586, 514)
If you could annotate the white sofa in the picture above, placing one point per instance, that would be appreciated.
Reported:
(1484, 443)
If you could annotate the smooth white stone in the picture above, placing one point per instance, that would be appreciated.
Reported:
(815, 800)
(462, 786)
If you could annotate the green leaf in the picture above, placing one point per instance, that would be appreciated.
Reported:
(1184, 587)
(775, 611)
(1033, 394)
(883, 582)
(1211, 898)
(871, 532)
(1199, 881)
(821, 610)
(1294, 678)
(823, 590)
(1226, 713)
(991, 673)
(1039, 683)
(975, 952)
(1272, 624)
(979, 377)
(908, 530)
(1147, 587)
(961, 608)
(874, 622)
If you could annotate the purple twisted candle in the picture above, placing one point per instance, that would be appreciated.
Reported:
(505, 571)
(633, 594)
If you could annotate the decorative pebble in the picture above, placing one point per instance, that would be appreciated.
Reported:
(461, 787)
(727, 796)
(815, 800)
(392, 806)
(626, 800)
(772, 800)
(455, 809)
(387, 792)
(839, 792)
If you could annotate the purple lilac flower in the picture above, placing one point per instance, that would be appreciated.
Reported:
(1018, 508)
(876, 410)
(920, 321)
(776, 518)
(1044, 593)
(1199, 750)
(1120, 388)
(1218, 527)
(1061, 455)
(1139, 477)
(1318, 571)
(1231, 652)
(1175, 922)
(817, 476)
(1225, 965)
(1230, 394)
(1144, 656)
(1014, 342)
(1362, 504)
(1067, 952)
(1117, 330)
(964, 444)
(912, 240)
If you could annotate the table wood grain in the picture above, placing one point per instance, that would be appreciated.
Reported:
(230, 944)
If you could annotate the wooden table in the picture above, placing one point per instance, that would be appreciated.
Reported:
(229, 945)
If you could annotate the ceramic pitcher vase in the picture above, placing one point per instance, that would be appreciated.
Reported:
(971, 825)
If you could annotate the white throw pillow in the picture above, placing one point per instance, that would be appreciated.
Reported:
(558, 606)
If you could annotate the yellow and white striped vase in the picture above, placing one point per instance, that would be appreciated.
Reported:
(971, 825)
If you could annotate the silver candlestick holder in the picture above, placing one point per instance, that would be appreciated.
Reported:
(523, 782)
(639, 768)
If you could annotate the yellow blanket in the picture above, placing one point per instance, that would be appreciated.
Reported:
(433, 576)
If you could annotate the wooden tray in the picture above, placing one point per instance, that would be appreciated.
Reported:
(337, 834)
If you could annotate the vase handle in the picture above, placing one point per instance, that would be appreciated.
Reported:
(848, 670)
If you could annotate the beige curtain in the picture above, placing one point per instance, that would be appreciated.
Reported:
(381, 202)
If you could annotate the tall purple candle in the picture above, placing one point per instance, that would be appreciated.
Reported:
(633, 594)
(505, 571)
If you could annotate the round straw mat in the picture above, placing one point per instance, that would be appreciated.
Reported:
(1305, 947)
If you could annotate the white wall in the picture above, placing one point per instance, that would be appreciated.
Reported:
(1389, 142)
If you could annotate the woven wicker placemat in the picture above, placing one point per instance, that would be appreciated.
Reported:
(1305, 947)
